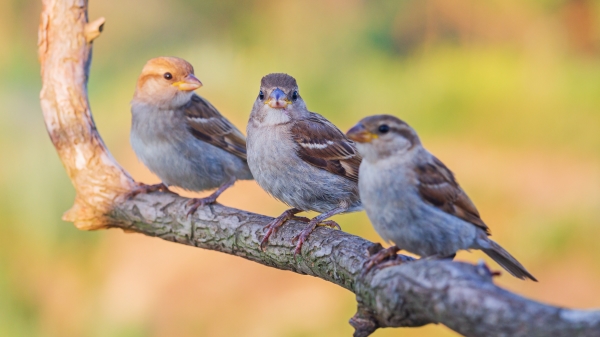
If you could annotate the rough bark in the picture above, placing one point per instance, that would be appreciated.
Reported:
(459, 295)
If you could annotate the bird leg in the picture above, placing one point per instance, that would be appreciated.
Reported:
(290, 214)
(377, 258)
(143, 189)
(195, 203)
(316, 221)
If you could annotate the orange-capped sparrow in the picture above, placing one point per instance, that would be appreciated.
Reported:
(180, 136)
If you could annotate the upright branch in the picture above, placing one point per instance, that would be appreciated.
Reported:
(458, 295)
(65, 54)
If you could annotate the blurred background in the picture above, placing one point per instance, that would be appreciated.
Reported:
(505, 92)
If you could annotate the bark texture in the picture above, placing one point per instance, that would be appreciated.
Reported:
(415, 293)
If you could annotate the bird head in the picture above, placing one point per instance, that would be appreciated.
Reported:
(167, 82)
(278, 100)
(380, 136)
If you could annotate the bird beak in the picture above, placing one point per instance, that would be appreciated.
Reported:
(278, 99)
(359, 134)
(188, 84)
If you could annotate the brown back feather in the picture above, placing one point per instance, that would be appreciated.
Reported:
(438, 186)
(208, 125)
(323, 145)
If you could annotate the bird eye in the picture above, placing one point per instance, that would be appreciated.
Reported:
(295, 95)
(384, 128)
(261, 95)
(168, 76)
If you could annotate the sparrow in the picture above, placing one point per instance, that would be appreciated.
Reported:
(180, 136)
(413, 200)
(300, 158)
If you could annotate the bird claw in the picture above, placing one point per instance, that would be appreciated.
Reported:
(276, 223)
(387, 255)
(270, 229)
(196, 203)
(330, 223)
(145, 189)
(303, 236)
(484, 269)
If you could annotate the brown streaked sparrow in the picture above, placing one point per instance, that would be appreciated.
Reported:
(180, 136)
(299, 157)
(413, 199)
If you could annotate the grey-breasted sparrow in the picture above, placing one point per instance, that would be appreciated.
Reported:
(299, 157)
(413, 199)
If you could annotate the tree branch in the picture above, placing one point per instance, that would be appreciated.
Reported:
(459, 295)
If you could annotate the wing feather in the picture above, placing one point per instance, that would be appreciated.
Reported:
(323, 145)
(438, 186)
(208, 125)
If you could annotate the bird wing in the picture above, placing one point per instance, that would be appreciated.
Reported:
(208, 125)
(323, 145)
(438, 187)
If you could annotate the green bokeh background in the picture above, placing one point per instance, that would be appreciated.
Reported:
(505, 92)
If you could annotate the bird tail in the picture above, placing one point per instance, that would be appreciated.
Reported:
(507, 261)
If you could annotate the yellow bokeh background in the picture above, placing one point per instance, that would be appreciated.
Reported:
(505, 92)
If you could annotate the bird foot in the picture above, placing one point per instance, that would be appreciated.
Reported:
(484, 269)
(303, 236)
(389, 255)
(278, 222)
(196, 203)
(144, 189)
(330, 223)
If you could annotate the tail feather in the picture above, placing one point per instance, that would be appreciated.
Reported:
(507, 261)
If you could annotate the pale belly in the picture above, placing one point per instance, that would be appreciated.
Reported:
(195, 167)
(295, 182)
(400, 216)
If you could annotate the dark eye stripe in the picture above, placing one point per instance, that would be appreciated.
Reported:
(408, 135)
